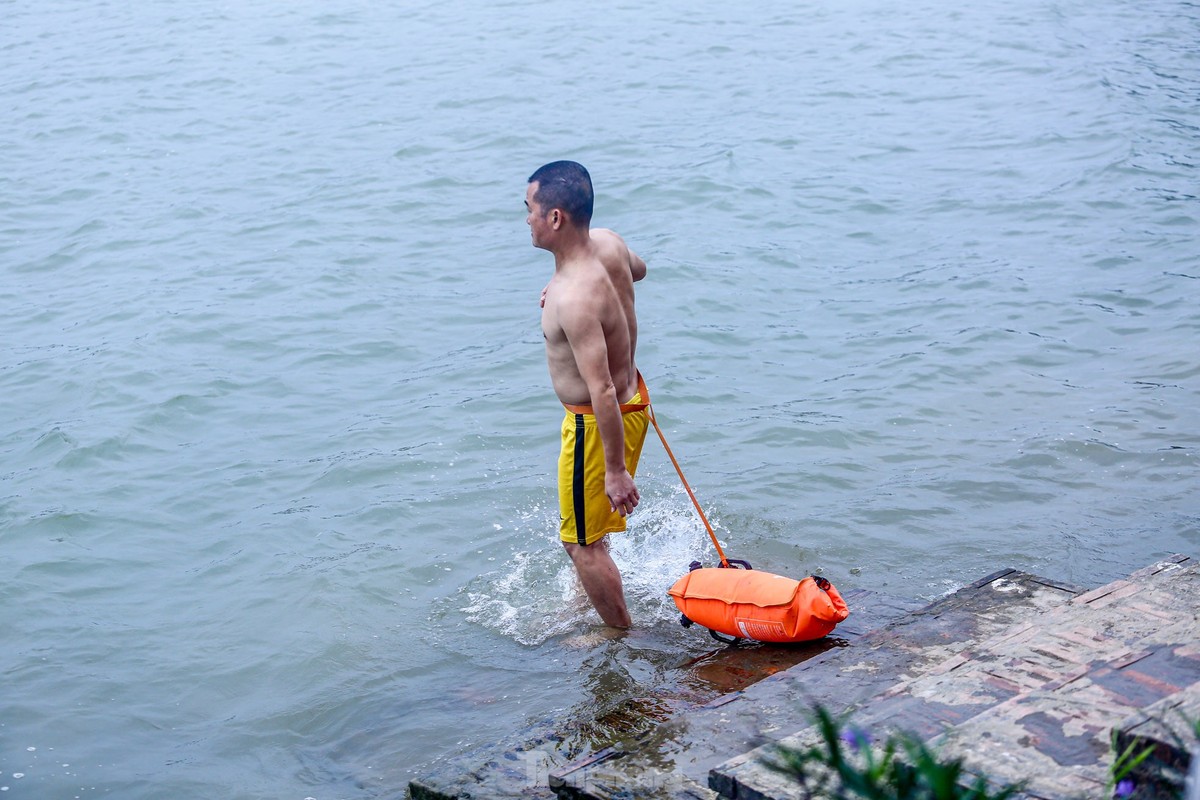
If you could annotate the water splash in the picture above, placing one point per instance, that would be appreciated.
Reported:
(663, 539)
(534, 598)
(538, 597)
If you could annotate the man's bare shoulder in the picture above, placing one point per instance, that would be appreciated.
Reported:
(610, 248)
(616, 256)
(606, 236)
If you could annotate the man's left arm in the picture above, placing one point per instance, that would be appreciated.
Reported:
(637, 267)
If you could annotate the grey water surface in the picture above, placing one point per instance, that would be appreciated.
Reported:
(277, 513)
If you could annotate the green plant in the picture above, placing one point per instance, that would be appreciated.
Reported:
(1127, 777)
(1120, 784)
(845, 764)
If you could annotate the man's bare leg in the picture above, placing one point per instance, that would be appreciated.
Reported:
(601, 580)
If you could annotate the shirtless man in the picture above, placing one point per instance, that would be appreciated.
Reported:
(591, 333)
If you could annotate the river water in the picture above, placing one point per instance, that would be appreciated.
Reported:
(277, 511)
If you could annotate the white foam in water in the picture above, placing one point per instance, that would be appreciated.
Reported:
(663, 539)
(537, 596)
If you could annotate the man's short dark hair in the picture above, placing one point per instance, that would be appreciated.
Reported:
(565, 185)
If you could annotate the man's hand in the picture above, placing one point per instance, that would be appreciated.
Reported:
(542, 303)
(622, 493)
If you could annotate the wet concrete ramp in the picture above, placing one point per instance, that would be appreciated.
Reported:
(1023, 677)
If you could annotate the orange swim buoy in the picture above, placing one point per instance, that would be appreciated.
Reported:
(750, 604)
(745, 603)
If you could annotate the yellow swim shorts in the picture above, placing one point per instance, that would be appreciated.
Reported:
(584, 509)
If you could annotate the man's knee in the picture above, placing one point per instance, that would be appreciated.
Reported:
(585, 551)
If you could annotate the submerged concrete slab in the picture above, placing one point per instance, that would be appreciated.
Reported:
(1020, 676)
(521, 766)
(1038, 700)
(674, 759)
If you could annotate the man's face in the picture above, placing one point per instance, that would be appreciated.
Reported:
(536, 219)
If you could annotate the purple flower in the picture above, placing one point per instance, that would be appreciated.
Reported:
(856, 738)
(1124, 788)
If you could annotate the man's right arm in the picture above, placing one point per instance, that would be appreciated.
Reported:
(589, 348)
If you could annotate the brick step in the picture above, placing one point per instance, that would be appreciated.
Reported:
(1037, 701)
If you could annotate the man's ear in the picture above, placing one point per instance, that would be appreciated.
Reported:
(555, 218)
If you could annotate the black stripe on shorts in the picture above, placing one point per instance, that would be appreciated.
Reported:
(577, 483)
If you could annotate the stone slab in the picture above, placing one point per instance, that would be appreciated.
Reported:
(1035, 701)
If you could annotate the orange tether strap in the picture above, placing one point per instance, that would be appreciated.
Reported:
(700, 511)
